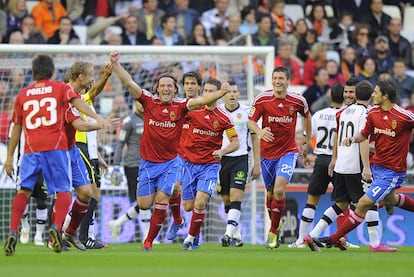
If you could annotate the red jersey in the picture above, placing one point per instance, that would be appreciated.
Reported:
(391, 131)
(162, 127)
(280, 115)
(71, 115)
(40, 108)
(205, 134)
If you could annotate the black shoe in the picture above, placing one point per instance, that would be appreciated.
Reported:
(237, 242)
(226, 241)
(325, 242)
(10, 245)
(73, 241)
(55, 239)
(93, 244)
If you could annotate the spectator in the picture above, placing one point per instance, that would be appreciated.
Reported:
(264, 36)
(317, 20)
(333, 72)
(127, 6)
(249, 25)
(98, 28)
(362, 44)
(216, 16)
(263, 6)
(349, 67)
(4, 94)
(31, 34)
(197, 36)
(98, 8)
(16, 38)
(400, 47)
(358, 9)
(297, 35)
(149, 18)
(186, 17)
(341, 33)
(405, 83)
(112, 39)
(376, 19)
(167, 32)
(282, 24)
(47, 15)
(65, 34)
(317, 58)
(382, 55)
(75, 10)
(318, 88)
(223, 35)
(305, 44)
(131, 35)
(368, 71)
(284, 58)
(17, 81)
(16, 12)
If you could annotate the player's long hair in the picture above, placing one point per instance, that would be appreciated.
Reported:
(43, 67)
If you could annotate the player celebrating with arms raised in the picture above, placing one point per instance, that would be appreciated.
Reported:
(163, 119)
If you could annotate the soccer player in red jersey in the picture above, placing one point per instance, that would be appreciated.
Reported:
(40, 112)
(163, 119)
(390, 127)
(202, 154)
(278, 110)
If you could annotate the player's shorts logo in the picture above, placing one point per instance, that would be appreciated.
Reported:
(240, 175)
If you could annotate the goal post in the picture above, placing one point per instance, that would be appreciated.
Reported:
(249, 66)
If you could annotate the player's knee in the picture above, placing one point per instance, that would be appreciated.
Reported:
(188, 206)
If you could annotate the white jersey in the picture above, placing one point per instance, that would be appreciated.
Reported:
(351, 121)
(240, 118)
(324, 129)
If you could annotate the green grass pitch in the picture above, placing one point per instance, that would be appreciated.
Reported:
(210, 260)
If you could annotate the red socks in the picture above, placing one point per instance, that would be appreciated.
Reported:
(351, 222)
(79, 209)
(62, 204)
(269, 206)
(157, 220)
(197, 220)
(277, 210)
(342, 218)
(19, 204)
(175, 207)
(406, 202)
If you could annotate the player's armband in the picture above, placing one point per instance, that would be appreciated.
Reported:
(231, 133)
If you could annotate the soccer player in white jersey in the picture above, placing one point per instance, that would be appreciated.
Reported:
(347, 175)
(324, 129)
(235, 165)
(390, 127)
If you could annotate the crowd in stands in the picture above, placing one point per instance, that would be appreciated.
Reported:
(366, 41)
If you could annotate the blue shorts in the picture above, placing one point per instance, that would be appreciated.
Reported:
(199, 177)
(384, 182)
(80, 176)
(180, 171)
(283, 166)
(53, 165)
(153, 176)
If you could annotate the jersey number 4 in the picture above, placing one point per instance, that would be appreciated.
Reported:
(41, 112)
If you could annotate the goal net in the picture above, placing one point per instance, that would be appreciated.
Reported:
(245, 65)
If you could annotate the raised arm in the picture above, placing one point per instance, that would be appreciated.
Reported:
(85, 126)
(98, 87)
(207, 98)
(124, 76)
